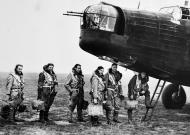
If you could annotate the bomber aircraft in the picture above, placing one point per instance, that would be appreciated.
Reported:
(157, 43)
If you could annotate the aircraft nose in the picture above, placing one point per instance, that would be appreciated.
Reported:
(102, 43)
(95, 42)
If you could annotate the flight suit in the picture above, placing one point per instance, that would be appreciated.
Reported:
(15, 86)
(74, 85)
(133, 92)
(46, 92)
(97, 92)
(113, 93)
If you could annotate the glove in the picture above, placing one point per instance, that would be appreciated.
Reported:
(56, 83)
(121, 97)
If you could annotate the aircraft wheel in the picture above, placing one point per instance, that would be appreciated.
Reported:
(173, 98)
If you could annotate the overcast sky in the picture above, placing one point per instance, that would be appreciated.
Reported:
(34, 32)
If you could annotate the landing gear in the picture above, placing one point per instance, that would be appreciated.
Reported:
(173, 97)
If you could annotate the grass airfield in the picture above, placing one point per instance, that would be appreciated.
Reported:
(163, 121)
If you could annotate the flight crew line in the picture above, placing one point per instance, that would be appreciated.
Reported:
(105, 92)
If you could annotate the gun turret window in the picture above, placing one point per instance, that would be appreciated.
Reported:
(101, 17)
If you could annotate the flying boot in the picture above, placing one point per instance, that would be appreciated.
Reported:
(115, 117)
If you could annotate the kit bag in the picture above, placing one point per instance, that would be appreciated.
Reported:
(130, 104)
(95, 110)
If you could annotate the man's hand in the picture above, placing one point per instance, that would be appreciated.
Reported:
(95, 101)
(143, 92)
(74, 92)
(131, 97)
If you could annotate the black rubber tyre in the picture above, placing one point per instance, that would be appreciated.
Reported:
(169, 98)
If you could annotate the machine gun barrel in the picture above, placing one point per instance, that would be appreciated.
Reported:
(71, 13)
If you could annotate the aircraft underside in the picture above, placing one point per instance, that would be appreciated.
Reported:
(111, 49)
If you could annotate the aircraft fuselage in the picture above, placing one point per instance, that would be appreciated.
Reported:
(144, 41)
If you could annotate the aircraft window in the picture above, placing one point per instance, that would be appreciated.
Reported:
(185, 13)
(101, 17)
(174, 11)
